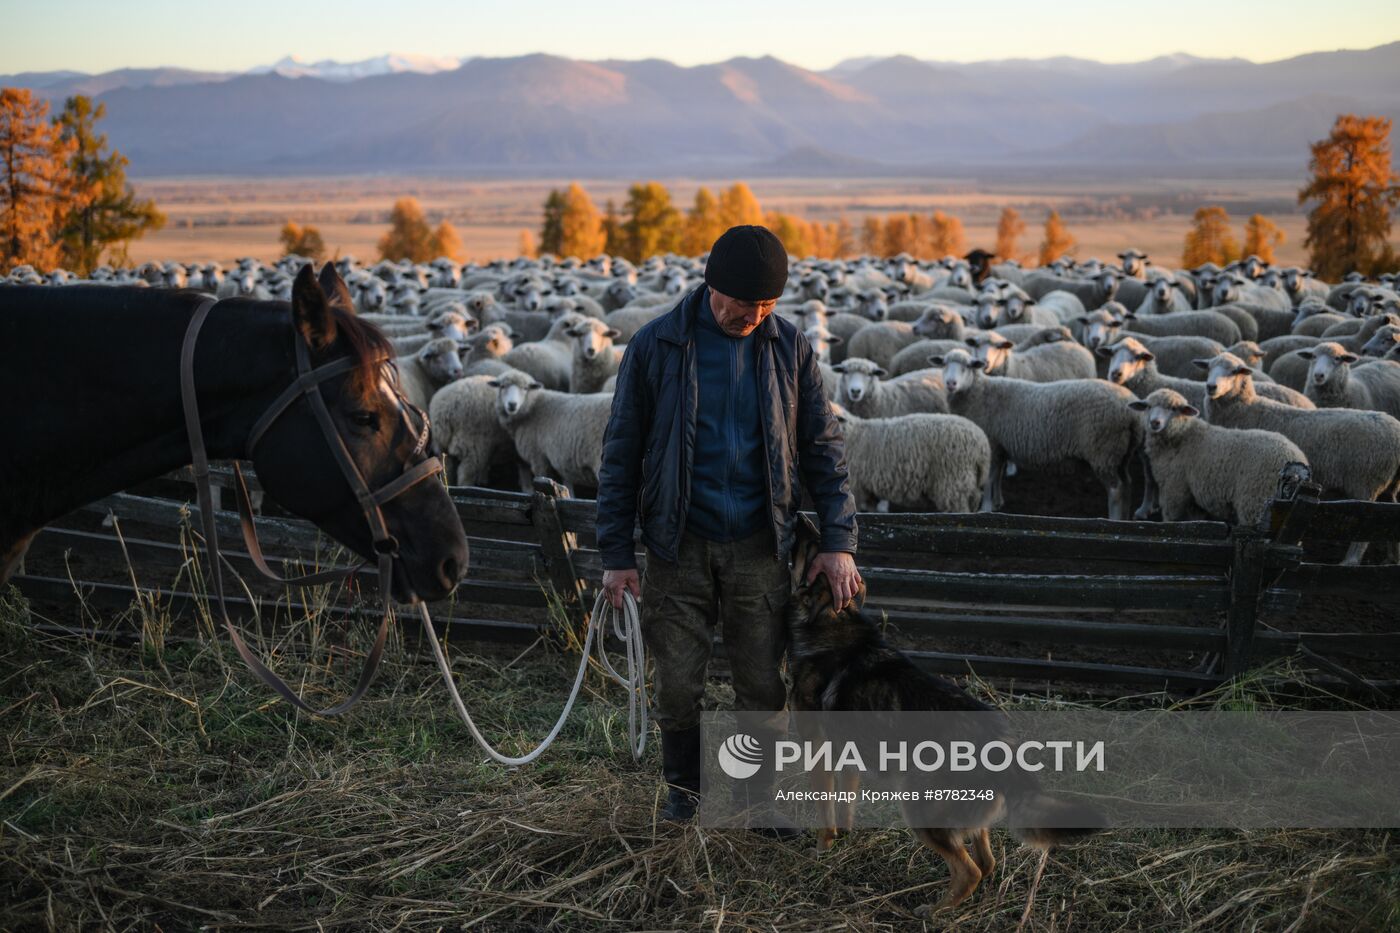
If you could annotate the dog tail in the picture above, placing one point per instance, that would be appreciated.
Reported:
(1045, 821)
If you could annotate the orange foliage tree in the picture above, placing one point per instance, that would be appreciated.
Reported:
(1010, 227)
(1261, 237)
(303, 241)
(1355, 192)
(1057, 242)
(1209, 239)
(35, 181)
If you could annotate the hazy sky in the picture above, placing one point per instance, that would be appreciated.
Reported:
(99, 35)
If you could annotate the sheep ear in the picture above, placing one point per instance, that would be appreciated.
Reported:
(1306, 354)
(877, 371)
(1201, 364)
(434, 326)
(1003, 344)
(494, 383)
(970, 341)
(1105, 352)
(1128, 316)
(1138, 404)
(534, 385)
(977, 364)
(1082, 319)
(834, 340)
(612, 333)
(937, 359)
(1189, 411)
(839, 368)
(1348, 358)
(1146, 355)
(1243, 371)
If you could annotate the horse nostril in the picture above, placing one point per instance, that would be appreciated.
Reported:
(450, 572)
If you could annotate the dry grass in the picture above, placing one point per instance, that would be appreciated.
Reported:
(166, 789)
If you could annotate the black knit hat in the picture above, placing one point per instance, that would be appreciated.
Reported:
(749, 263)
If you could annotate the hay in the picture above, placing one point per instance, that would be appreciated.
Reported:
(139, 791)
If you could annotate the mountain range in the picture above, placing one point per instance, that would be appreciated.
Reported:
(540, 114)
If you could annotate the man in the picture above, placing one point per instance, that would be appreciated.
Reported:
(718, 412)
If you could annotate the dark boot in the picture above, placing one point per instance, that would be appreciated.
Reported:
(753, 797)
(680, 767)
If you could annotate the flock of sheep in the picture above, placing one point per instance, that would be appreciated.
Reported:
(949, 376)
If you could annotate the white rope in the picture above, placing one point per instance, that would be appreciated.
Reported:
(626, 625)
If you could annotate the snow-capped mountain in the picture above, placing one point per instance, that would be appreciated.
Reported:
(293, 66)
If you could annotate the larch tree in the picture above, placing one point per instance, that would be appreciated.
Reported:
(1058, 240)
(843, 239)
(409, 235)
(612, 229)
(872, 235)
(103, 210)
(447, 242)
(1261, 237)
(793, 232)
(1354, 194)
(653, 224)
(737, 205)
(900, 235)
(1209, 239)
(1010, 227)
(302, 241)
(552, 230)
(703, 223)
(582, 227)
(35, 181)
(525, 244)
(948, 238)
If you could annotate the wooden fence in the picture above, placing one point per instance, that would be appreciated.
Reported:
(1180, 606)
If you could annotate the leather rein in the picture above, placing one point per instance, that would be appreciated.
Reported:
(306, 387)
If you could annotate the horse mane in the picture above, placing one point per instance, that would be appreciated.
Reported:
(367, 345)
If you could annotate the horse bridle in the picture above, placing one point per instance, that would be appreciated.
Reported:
(306, 386)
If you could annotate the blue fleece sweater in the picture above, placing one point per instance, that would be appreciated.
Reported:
(728, 491)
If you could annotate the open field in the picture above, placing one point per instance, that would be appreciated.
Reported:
(222, 218)
(162, 787)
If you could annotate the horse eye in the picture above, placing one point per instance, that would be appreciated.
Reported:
(364, 419)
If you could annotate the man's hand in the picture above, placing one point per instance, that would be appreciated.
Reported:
(841, 574)
(615, 581)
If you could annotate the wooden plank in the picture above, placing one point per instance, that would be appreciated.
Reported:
(477, 504)
(1168, 593)
(1075, 671)
(1373, 646)
(1354, 520)
(1246, 578)
(877, 538)
(557, 544)
(1373, 583)
(1057, 631)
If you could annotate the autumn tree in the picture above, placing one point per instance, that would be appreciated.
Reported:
(103, 210)
(703, 223)
(872, 235)
(1057, 242)
(582, 233)
(737, 205)
(793, 232)
(653, 224)
(900, 235)
(552, 230)
(1355, 192)
(1261, 236)
(409, 235)
(843, 239)
(525, 244)
(303, 241)
(947, 237)
(35, 181)
(1209, 239)
(1010, 227)
(612, 229)
(446, 241)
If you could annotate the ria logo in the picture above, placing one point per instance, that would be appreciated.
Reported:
(740, 756)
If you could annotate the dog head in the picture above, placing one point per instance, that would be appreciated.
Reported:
(811, 603)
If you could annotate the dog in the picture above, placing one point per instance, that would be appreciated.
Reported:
(839, 661)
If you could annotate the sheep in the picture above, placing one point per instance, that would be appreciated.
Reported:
(550, 359)
(593, 358)
(1092, 293)
(433, 366)
(627, 321)
(1052, 310)
(1038, 424)
(1163, 296)
(1249, 351)
(1354, 453)
(919, 462)
(1313, 318)
(556, 434)
(485, 351)
(1212, 324)
(1383, 343)
(452, 323)
(1333, 382)
(467, 432)
(1230, 475)
(866, 392)
(915, 356)
(880, 342)
(1175, 355)
(1237, 289)
(1300, 285)
(1053, 356)
(1134, 366)
(1291, 369)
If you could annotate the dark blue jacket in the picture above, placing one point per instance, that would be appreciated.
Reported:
(649, 445)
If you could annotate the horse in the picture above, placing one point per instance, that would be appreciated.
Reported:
(93, 403)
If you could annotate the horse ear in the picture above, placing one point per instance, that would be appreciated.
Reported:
(333, 286)
(311, 312)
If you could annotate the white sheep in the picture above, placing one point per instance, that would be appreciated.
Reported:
(556, 434)
(864, 390)
(486, 351)
(549, 359)
(1039, 424)
(880, 341)
(593, 357)
(433, 366)
(920, 462)
(467, 432)
(1335, 382)
(1352, 452)
(1163, 297)
(1050, 356)
(1134, 367)
(1230, 475)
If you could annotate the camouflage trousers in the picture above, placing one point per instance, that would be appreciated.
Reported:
(738, 585)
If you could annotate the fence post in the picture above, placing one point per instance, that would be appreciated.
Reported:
(1246, 583)
(557, 544)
